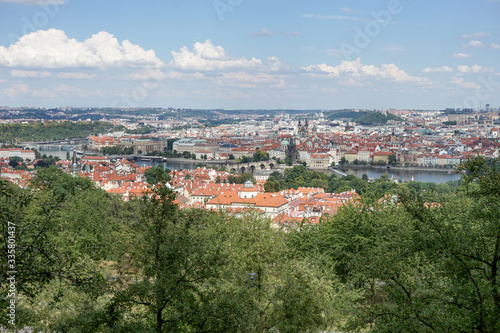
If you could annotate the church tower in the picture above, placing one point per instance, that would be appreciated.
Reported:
(74, 164)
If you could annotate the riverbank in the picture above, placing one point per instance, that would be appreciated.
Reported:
(385, 167)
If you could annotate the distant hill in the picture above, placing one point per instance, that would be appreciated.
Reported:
(370, 118)
(338, 114)
(362, 117)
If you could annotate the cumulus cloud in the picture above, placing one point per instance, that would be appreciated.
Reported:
(462, 55)
(477, 35)
(29, 74)
(474, 69)
(476, 44)
(53, 49)
(76, 76)
(438, 69)
(208, 57)
(459, 81)
(354, 72)
(264, 32)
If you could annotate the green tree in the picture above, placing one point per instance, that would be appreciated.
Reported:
(440, 260)
(155, 175)
(272, 186)
(176, 256)
(392, 159)
(270, 286)
(260, 155)
(42, 253)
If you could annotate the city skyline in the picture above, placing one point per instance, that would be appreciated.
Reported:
(237, 54)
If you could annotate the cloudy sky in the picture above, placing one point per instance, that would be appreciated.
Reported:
(233, 54)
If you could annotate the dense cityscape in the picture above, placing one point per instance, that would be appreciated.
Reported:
(259, 145)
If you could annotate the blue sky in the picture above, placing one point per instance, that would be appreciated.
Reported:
(237, 54)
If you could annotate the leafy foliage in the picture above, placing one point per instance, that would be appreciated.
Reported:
(155, 175)
(51, 131)
(404, 258)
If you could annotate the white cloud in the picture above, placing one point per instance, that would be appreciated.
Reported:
(459, 81)
(477, 35)
(474, 69)
(53, 49)
(65, 91)
(476, 43)
(36, 2)
(333, 17)
(438, 69)
(355, 70)
(264, 32)
(76, 76)
(462, 55)
(232, 78)
(15, 90)
(208, 57)
(29, 74)
(148, 75)
(174, 75)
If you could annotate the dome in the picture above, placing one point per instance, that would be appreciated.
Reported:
(248, 184)
(284, 143)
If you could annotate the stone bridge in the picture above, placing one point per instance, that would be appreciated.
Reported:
(252, 166)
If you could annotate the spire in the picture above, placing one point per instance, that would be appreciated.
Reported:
(74, 163)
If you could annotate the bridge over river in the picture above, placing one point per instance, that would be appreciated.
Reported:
(228, 164)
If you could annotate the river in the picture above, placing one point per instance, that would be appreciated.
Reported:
(418, 175)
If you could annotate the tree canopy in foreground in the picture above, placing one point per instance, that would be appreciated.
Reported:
(418, 260)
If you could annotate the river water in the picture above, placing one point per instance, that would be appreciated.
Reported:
(405, 175)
